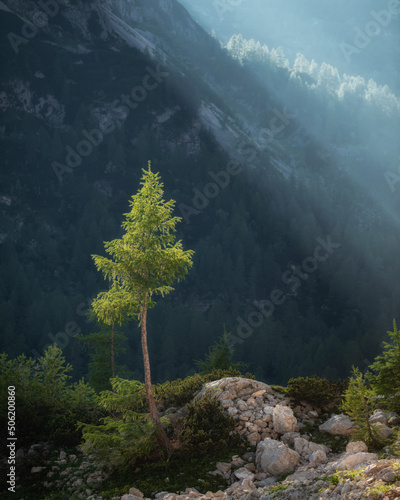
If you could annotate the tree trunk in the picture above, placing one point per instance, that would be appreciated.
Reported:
(161, 436)
(369, 428)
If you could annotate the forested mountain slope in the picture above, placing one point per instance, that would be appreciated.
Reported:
(358, 38)
(90, 93)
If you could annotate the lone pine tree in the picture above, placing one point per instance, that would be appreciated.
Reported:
(144, 263)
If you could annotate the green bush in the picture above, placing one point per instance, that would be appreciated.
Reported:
(206, 427)
(47, 406)
(384, 373)
(180, 392)
(124, 436)
(359, 404)
(316, 391)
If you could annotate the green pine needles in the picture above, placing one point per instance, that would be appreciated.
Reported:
(220, 357)
(385, 374)
(124, 437)
(147, 260)
(359, 404)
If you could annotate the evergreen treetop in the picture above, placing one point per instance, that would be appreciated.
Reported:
(385, 374)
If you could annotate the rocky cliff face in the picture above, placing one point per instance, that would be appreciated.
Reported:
(161, 29)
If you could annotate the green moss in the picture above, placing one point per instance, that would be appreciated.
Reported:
(278, 487)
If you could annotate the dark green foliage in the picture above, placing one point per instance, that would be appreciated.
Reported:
(182, 473)
(279, 388)
(179, 392)
(385, 372)
(47, 407)
(99, 344)
(231, 372)
(220, 357)
(124, 437)
(207, 427)
(315, 390)
(358, 403)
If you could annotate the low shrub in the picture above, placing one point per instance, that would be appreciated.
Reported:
(316, 391)
(206, 427)
(124, 437)
(48, 407)
(180, 392)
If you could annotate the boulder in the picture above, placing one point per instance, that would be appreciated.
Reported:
(395, 420)
(301, 446)
(243, 473)
(356, 447)
(283, 419)
(249, 456)
(289, 438)
(254, 438)
(317, 447)
(239, 462)
(378, 416)
(258, 393)
(224, 467)
(275, 457)
(338, 425)
(232, 411)
(384, 431)
(136, 493)
(233, 387)
(351, 461)
(306, 448)
(318, 458)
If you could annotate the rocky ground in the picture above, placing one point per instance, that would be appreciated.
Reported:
(286, 463)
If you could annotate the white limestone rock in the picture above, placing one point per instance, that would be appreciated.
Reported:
(243, 473)
(275, 457)
(283, 419)
(338, 425)
(318, 458)
(349, 462)
(378, 416)
(356, 447)
(384, 431)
